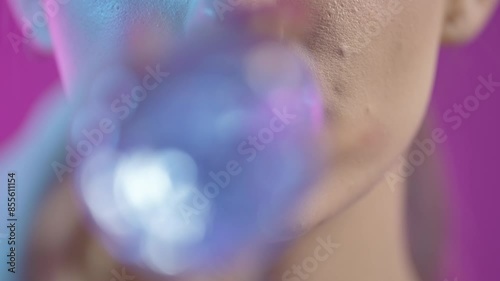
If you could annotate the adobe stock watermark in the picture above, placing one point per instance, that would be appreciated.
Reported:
(249, 149)
(95, 136)
(303, 271)
(455, 118)
(40, 19)
(375, 26)
(121, 275)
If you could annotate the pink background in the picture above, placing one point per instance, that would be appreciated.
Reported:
(474, 148)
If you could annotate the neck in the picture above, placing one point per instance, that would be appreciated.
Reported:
(365, 242)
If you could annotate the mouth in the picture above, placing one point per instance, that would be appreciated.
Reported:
(224, 25)
(271, 19)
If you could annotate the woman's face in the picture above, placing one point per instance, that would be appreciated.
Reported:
(373, 59)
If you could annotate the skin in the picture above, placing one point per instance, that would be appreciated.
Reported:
(375, 86)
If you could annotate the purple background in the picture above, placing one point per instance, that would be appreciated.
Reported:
(474, 151)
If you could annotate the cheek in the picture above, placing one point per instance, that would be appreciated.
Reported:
(399, 67)
(375, 89)
(374, 55)
(376, 67)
